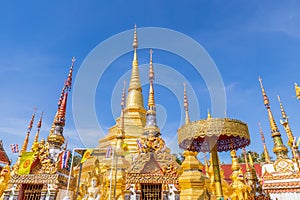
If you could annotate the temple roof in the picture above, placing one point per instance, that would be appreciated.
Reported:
(3, 156)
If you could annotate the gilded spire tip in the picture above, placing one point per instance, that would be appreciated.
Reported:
(208, 113)
(135, 40)
(284, 116)
(151, 100)
(186, 104)
(123, 96)
(266, 99)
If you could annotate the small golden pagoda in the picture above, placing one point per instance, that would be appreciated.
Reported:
(37, 173)
(280, 179)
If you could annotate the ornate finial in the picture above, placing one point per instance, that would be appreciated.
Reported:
(31, 121)
(123, 96)
(208, 114)
(135, 40)
(281, 108)
(279, 149)
(266, 100)
(25, 143)
(68, 82)
(285, 123)
(151, 70)
(266, 152)
(36, 138)
(151, 101)
(235, 166)
(186, 104)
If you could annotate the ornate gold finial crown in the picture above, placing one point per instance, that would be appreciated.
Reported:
(266, 100)
(284, 116)
(151, 100)
(135, 40)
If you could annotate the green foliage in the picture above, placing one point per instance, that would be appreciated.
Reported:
(179, 158)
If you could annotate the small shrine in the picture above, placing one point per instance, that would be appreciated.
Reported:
(40, 172)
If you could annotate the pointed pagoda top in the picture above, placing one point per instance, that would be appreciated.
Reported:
(186, 104)
(267, 105)
(135, 97)
(284, 116)
(279, 149)
(25, 143)
(151, 100)
(266, 100)
(285, 123)
(135, 40)
(266, 152)
(36, 138)
(151, 123)
(62, 103)
(56, 137)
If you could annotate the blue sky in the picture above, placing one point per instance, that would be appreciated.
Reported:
(245, 40)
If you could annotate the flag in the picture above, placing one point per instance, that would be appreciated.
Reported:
(64, 158)
(139, 144)
(86, 155)
(14, 148)
(26, 162)
(108, 152)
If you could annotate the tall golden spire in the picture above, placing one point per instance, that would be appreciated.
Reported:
(279, 148)
(186, 104)
(36, 138)
(151, 123)
(25, 143)
(266, 152)
(285, 123)
(135, 97)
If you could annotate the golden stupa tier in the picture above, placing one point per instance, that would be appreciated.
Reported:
(229, 134)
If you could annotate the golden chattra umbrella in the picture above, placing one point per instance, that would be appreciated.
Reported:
(214, 135)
